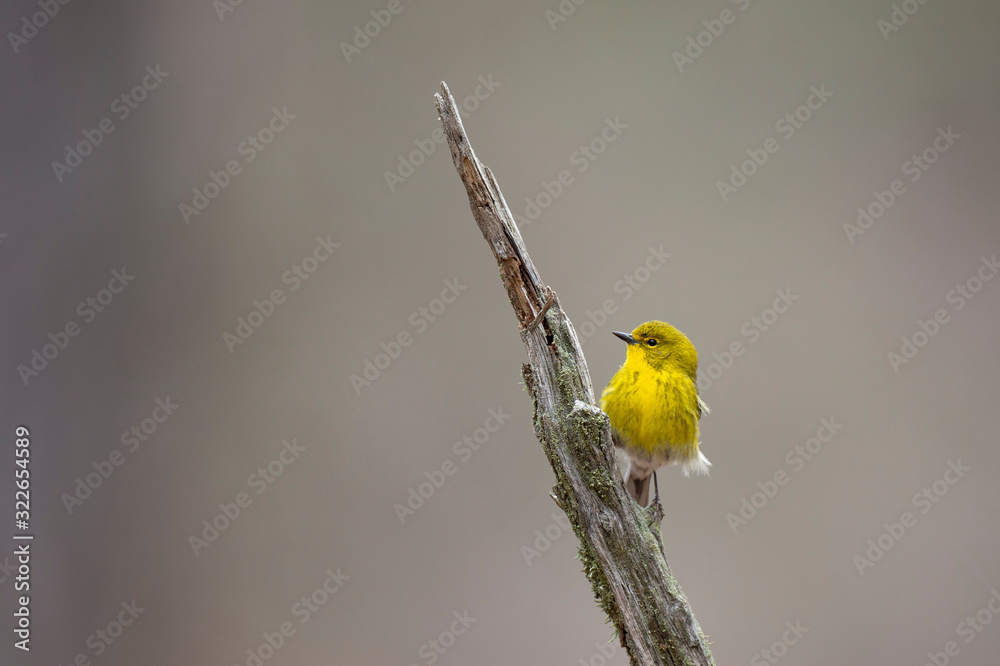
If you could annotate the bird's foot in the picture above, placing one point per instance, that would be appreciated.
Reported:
(655, 509)
(654, 512)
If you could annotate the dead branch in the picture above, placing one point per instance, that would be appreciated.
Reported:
(620, 553)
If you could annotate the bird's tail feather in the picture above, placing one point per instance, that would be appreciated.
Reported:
(637, 484)
(697, 465)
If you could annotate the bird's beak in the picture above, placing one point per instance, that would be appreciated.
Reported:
(626, 337)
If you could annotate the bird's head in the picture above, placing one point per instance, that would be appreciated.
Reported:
(660, 345)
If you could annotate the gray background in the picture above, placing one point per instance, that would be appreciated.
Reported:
(655, 185)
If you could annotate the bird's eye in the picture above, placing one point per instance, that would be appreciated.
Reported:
(651, 342)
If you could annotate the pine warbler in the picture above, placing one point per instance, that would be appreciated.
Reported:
(654, 406)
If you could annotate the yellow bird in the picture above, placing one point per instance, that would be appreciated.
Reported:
(654, 406)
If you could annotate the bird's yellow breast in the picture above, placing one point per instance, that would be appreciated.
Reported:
(653, 410)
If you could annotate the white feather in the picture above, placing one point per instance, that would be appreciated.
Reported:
(697, 465)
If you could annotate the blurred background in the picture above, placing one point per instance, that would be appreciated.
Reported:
(273, 382)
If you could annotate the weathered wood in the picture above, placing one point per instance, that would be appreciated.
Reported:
(620, 553)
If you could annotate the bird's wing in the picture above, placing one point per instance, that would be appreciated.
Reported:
(702, 407)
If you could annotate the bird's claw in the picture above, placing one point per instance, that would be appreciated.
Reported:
(655, 511)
